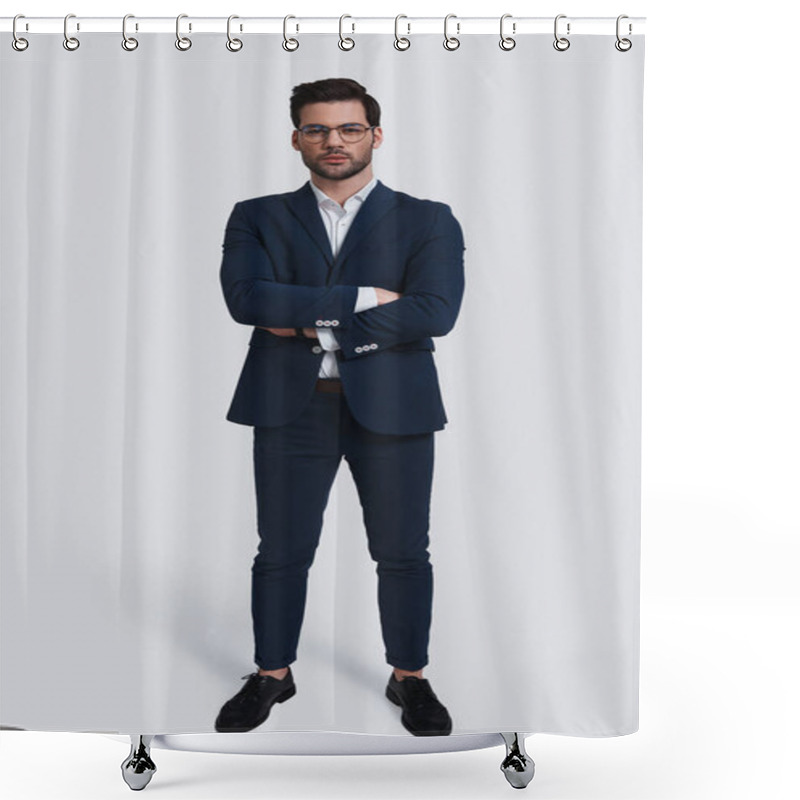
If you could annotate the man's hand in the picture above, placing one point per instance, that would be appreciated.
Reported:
(278, 331)
(386, 296)
(310, 333)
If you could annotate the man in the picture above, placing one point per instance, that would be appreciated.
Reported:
(344, 282)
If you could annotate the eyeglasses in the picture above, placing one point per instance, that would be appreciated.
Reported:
(350, 132)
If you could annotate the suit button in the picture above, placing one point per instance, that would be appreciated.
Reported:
(320, 322)
(373, 346)
(359, 349)
(316, 349)
(335, 322)
(327, 323)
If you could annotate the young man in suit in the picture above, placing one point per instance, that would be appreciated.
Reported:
(344, 282)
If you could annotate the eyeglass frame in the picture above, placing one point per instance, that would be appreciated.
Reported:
(327, 130)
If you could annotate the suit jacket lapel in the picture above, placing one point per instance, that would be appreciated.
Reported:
(303, 204)
(378, 203)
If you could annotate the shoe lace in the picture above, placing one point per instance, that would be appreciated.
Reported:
(250, 690)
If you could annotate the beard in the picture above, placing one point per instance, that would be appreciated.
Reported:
(338, 172)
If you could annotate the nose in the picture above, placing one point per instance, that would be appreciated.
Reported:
(334, 137)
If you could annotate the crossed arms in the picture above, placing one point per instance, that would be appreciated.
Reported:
(381, 296)
(428, 306)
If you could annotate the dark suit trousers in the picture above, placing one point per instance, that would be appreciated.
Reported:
(295, 465)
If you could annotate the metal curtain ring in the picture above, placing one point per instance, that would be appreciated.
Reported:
(507, 42)
(623, 45)
(234, 45)
(561, 43)
(290, 45)
(70, 42)
(18, 43)
(401, 43)
(346, 43)
(182, 42)
(451, 42)
(128, 42)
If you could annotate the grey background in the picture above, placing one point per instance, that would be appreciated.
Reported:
(128, 508)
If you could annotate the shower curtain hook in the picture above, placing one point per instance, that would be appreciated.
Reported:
(451, 42)
(507, 42)
(623, 45)
(182, 42)
(342, 39)
(234, 45)
(18, 43)
(70, 42)
(290, 45)
(561, 43)
(128, 42)
(400, 42)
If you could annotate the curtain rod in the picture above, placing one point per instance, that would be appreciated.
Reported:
(459, 26)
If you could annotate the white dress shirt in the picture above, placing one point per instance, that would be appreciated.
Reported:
(338, 220)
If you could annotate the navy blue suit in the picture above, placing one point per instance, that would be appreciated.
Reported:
(278, 271)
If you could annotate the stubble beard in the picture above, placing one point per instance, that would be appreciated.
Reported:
(338, 172)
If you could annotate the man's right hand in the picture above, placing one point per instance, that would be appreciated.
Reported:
(386, 296)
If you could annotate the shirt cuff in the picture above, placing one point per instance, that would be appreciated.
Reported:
(327, 340)
(367, 298)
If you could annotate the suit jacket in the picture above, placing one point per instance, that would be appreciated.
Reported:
(278, 271)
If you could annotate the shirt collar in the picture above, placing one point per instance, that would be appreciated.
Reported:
(360, 195)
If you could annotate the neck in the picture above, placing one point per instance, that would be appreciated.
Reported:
(341, 190)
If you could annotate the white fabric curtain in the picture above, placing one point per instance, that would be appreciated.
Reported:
(128, 507)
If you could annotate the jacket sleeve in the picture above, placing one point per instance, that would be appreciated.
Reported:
(254, 297)
(433, 290)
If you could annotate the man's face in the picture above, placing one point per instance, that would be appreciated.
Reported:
(351, 158)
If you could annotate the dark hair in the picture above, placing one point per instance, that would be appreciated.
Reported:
(329, 90)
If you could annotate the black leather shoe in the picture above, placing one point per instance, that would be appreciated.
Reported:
(250, 706)
(423, 714)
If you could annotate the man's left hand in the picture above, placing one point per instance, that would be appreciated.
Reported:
(310, 333)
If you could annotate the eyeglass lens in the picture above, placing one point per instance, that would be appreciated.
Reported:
(350, 132)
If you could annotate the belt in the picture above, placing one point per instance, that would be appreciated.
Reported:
(329, 385)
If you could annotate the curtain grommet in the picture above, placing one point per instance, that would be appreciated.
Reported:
(234, 45)
(451, 42)
(507, 42)
(183, 43)
(622, 44)
(400, 42)
(129, 43)
(289, 44)
(345, 42)
(17, 41)
(70, 42)
(561, 43)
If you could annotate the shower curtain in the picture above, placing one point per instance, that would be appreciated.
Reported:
(129, 509)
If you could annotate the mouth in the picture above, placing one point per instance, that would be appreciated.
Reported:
(337, 159)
